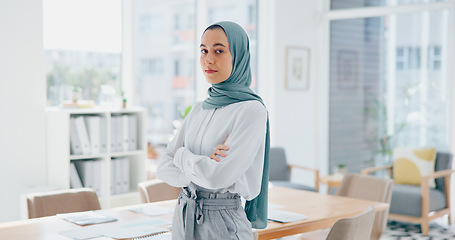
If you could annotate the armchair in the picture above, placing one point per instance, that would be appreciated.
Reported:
(421, 204)
(280, 171)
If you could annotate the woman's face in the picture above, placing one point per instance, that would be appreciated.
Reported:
(216, 58)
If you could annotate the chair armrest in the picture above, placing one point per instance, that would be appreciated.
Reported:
(370, 170)
(291, 166)
(425, 192)
(438, 174)
(425, 189)
(314, 170)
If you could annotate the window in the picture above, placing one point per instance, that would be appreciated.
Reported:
(152, 66)
(78, 55)
(243, 13)
(374, 105)
(400, 59)
(435, 58)
(152, 24)
(346, 4)
(408, 58)
(414, 58)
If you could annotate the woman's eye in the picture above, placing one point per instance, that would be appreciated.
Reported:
(219, 51)
(203, 51)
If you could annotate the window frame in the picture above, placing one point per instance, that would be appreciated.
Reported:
(328, 15)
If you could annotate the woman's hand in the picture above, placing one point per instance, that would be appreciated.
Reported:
(219, 151)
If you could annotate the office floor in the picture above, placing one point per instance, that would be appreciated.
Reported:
(439, 230)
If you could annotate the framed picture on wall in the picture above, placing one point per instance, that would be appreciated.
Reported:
(347, 65)
(297, 68)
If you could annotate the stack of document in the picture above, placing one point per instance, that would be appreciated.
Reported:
(86, 218)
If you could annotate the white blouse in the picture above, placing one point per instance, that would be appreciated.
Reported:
(186, 158)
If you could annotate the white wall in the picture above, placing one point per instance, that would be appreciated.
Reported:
(22, 103)
(296, 117)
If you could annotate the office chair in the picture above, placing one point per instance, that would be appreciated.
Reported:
(369, 188)
(366, 188)
(355, 228)
(44, 204)
(280, 171)
(157, 190)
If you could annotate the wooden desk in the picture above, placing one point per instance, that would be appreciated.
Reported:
(322, 211)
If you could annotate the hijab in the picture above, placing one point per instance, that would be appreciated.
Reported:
(237, 89)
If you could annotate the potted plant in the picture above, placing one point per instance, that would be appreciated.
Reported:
(76, 94)
(340, 170)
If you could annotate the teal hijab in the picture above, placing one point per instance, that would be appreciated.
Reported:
(237, 89)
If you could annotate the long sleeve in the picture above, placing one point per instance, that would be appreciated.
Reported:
(166, 169)
(241, 170)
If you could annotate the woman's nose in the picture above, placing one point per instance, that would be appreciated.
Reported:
(209, 59)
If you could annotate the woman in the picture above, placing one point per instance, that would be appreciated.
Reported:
(220, 152)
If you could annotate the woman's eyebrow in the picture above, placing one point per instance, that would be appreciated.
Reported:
(216, 44)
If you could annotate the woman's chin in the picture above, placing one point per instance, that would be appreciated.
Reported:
(215, 81)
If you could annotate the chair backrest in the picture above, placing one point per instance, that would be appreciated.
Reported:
(355, 228)
(63, 201)
(279, 169)
(156, 190)
(443, 161)
(371, 188)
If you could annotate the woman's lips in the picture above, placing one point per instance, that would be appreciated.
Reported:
(209, 71)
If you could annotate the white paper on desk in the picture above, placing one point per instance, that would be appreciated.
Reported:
(151, 210)
(285, 216)
(86, 218)
(84, 232)
(161, 236)
(139, 228)
(119, 230)
(274, 206)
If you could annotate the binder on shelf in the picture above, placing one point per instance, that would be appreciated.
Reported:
(119, 131)
(98, 177)
(112, 173)
(125, 175)
(93, 124)
(125, 132)
(116, 134)
(113, 134)
(132, 125)
(118, 176)
(75, 180)
(85, 170)
(113, 127)
(97, 166)
(82, 134)
(103, 135)
(74, 139)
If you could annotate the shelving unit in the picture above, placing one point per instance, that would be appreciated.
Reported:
(60, 156)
